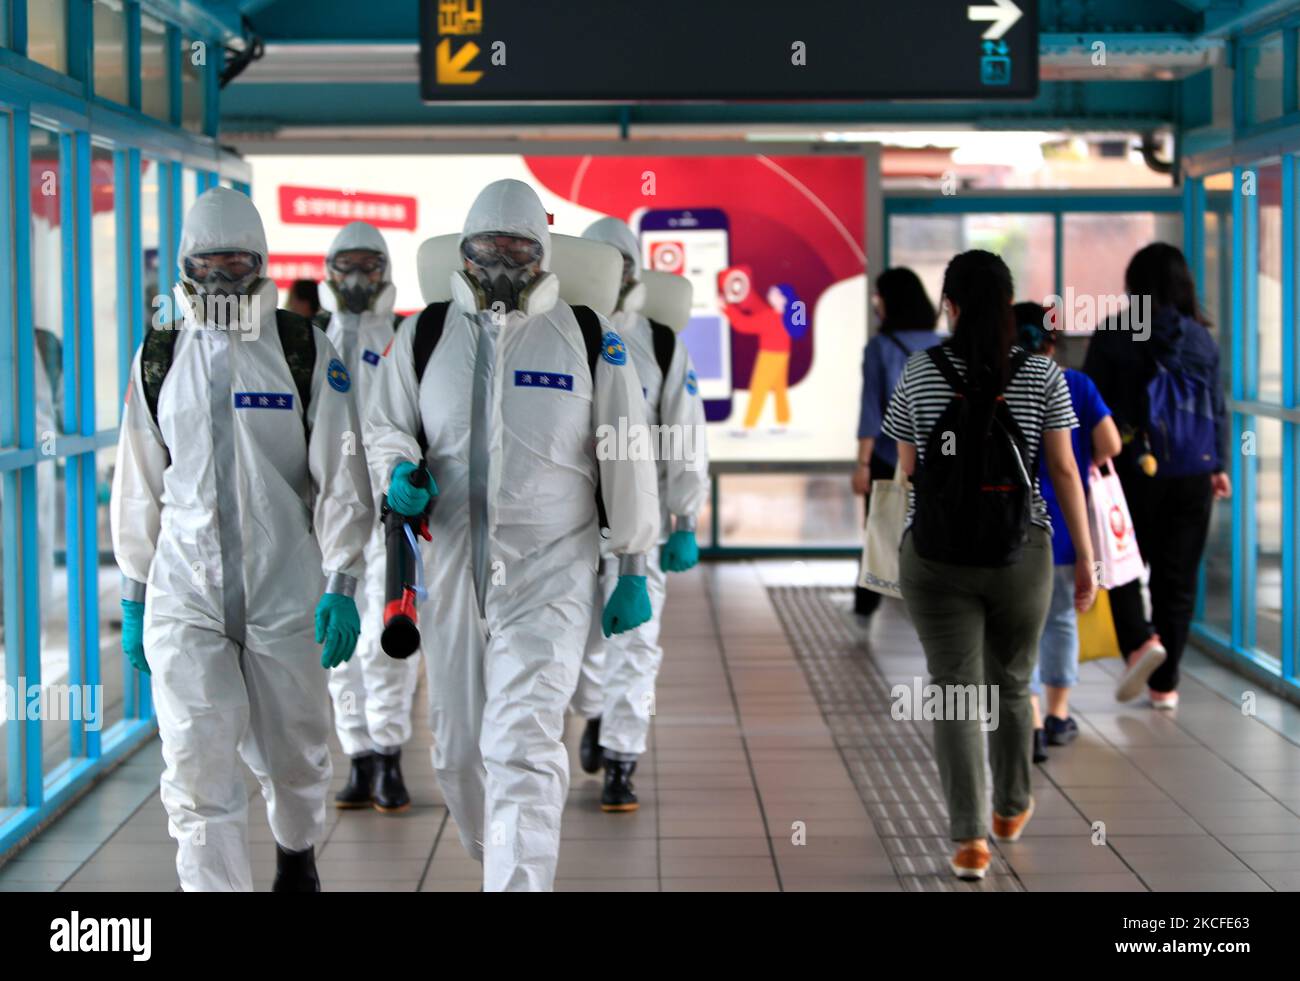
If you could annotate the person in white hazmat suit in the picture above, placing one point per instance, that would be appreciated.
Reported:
(616, 689)
(236, 509)
(372, 692)
(509, 404)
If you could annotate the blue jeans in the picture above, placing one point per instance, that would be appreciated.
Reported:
(1058, 648)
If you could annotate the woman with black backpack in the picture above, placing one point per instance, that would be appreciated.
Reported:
(970, 417)
(1161, 380)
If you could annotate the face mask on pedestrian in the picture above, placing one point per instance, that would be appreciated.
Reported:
(631, 293)
(220, 279)
(356, 276)
(503, 273)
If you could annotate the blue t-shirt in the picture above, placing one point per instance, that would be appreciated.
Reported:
(882, 363)
(1091, 410)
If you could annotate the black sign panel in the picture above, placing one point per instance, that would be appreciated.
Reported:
(727, 50)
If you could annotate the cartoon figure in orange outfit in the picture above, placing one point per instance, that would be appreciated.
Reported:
(775, 320)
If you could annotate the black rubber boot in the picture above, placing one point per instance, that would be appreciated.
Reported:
(390, 789)
(617, 796)
(359, 790)
(589, 754)
(295, 871)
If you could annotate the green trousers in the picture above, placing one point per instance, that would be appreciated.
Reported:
(979, 627)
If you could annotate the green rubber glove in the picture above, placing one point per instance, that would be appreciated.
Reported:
(337, 627)
(404, 497)
(681, 552)
(133, 634)
(628, 608)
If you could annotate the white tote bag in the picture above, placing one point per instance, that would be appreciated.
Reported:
(884, 534)
(1114, 544)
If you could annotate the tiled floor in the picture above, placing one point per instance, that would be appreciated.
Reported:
(768, 770)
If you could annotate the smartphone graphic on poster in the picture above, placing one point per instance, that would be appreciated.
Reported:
(696, 243)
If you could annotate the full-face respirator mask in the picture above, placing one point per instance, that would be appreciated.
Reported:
(356, 276)
(631, 293)
(503, 274)
(218, 280)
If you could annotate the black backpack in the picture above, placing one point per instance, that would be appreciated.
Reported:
(973, 506)
(297, 339)
(428, 331)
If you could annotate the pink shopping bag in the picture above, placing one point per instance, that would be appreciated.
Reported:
(1114, 545)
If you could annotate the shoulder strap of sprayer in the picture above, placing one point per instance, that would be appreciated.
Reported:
(594, 340)
(428, 332)
(665, 344)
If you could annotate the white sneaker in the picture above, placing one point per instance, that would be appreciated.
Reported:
(1163, 701)
(1142, 663)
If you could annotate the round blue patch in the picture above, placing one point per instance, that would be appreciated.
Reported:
(338, 376)
(692, 383)
(612, 349)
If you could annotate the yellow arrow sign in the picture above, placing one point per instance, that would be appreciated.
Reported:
(451, 68)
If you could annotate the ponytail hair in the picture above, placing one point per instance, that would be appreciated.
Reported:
(979, 285)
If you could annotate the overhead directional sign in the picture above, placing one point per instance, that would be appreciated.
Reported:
(724, 50)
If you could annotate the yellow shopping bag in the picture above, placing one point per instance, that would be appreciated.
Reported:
(1097, 636)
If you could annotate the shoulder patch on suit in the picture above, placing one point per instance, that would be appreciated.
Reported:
(613, 349)
(692, 382)
(338, 376)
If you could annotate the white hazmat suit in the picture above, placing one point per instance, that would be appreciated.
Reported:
(372, 692)
(237, 513)
(510, 411)
(617, 681)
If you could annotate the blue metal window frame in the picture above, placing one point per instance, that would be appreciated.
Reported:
(66, 104)
(1243, 46)
(1239, 644)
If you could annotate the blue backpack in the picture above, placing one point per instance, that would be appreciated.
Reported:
(1180, 423)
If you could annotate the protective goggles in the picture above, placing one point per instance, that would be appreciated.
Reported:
(363, 261)
(499, 248)
(232, 266)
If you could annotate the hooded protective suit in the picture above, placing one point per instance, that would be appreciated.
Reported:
(618, 675)
(372, 692)
(510, 412)
(237, 512)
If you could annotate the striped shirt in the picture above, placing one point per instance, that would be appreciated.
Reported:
(1037, 397)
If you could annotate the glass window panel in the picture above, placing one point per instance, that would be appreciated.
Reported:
(47, 33)
(193, 77)
(150, 235)
(1263, 68)
(112, 662)
(51, 543)
(1267, 439)
(110, 50)
(926, 243)
(47, 278)
(189, 190)
(1098, 248)
(5, 681)
(155, 90)
(1269, 283)
(1216, 295)
(9, 376)
(788, 509)
(104, 276)
(4, 43)
(1217, 301)
(1217, 570)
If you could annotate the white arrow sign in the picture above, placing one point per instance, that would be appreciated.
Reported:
(1002, 13)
